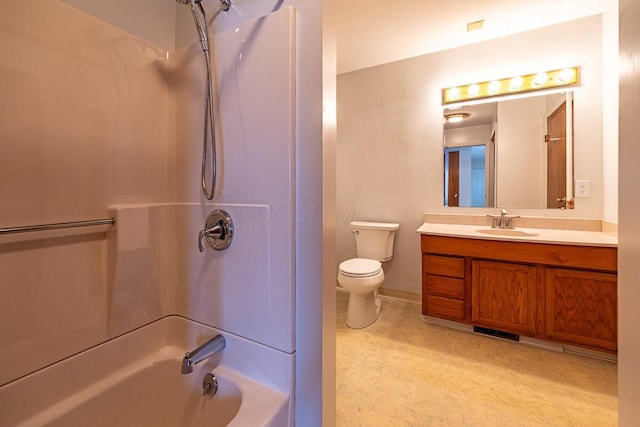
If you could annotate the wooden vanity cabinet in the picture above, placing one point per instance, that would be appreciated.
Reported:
(565, 293)
(582, 307)
(505, 296)
(444, 288)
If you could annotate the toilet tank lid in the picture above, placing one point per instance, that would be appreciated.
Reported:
(363, 225)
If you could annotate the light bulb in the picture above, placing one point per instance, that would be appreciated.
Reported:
(566, 75)
(453, 93)
(540, 79)
(516, 83)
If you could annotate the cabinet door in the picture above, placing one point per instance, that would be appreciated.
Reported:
(582, 308)
(504, 296)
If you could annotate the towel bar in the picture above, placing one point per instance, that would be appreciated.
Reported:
(56, 226)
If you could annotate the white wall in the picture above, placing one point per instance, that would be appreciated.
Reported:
(469, 135)
(610, 109)
(629, 232)
(389, 157)
(149, 20)
(520, 154)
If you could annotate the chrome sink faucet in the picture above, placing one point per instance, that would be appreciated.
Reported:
(502, 221)
(206, 350)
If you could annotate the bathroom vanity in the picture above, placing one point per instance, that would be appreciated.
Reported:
(557, 285)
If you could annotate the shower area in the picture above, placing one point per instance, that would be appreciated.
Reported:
(150, 116)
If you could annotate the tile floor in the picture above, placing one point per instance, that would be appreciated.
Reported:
(401, 371)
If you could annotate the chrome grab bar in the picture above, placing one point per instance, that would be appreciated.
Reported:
(57, 226)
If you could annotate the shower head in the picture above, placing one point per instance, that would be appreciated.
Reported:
(225, 4)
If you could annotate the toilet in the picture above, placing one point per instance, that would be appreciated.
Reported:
(363, 276)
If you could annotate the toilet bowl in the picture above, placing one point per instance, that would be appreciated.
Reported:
(363, 276)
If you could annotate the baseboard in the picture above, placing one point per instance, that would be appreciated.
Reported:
(591, 353)
(405, 296)
(448, 323)
(388, 293)
(546, 345)
(530, 341)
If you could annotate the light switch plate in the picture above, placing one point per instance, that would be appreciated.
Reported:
(583, 188)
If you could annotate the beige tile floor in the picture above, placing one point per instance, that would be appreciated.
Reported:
(401, 371)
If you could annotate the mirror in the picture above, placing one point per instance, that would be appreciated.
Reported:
(512, 153)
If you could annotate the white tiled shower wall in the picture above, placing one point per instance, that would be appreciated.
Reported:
(93, 117)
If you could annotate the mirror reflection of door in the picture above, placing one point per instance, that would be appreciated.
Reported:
(465, 176)
(454, 178)
(557, 157)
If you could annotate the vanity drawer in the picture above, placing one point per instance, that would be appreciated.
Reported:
(443, 307)
(444, 265)
(444, 286)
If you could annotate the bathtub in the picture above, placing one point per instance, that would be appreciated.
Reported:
(135, 380)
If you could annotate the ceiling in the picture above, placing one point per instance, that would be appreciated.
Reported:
(479, 114)
(374, 32)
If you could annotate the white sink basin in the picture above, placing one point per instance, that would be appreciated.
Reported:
(506, 232)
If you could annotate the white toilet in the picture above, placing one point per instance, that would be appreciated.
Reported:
(363, 276)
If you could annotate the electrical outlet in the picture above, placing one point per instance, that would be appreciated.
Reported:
(583, 188)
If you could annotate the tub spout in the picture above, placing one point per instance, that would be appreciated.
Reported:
(206, 350)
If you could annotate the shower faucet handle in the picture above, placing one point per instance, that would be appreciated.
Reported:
(215, 232)
(218, 231)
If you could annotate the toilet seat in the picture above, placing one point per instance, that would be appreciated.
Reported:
(360, 267)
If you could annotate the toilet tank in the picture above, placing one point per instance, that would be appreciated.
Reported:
(374, 240)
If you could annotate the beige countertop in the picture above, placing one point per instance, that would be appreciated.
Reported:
(519, 234)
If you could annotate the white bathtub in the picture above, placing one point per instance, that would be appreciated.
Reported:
(135, 380)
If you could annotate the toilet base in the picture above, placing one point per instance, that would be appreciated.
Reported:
(362, 309)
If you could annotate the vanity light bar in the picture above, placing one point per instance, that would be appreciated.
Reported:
(518, 84)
